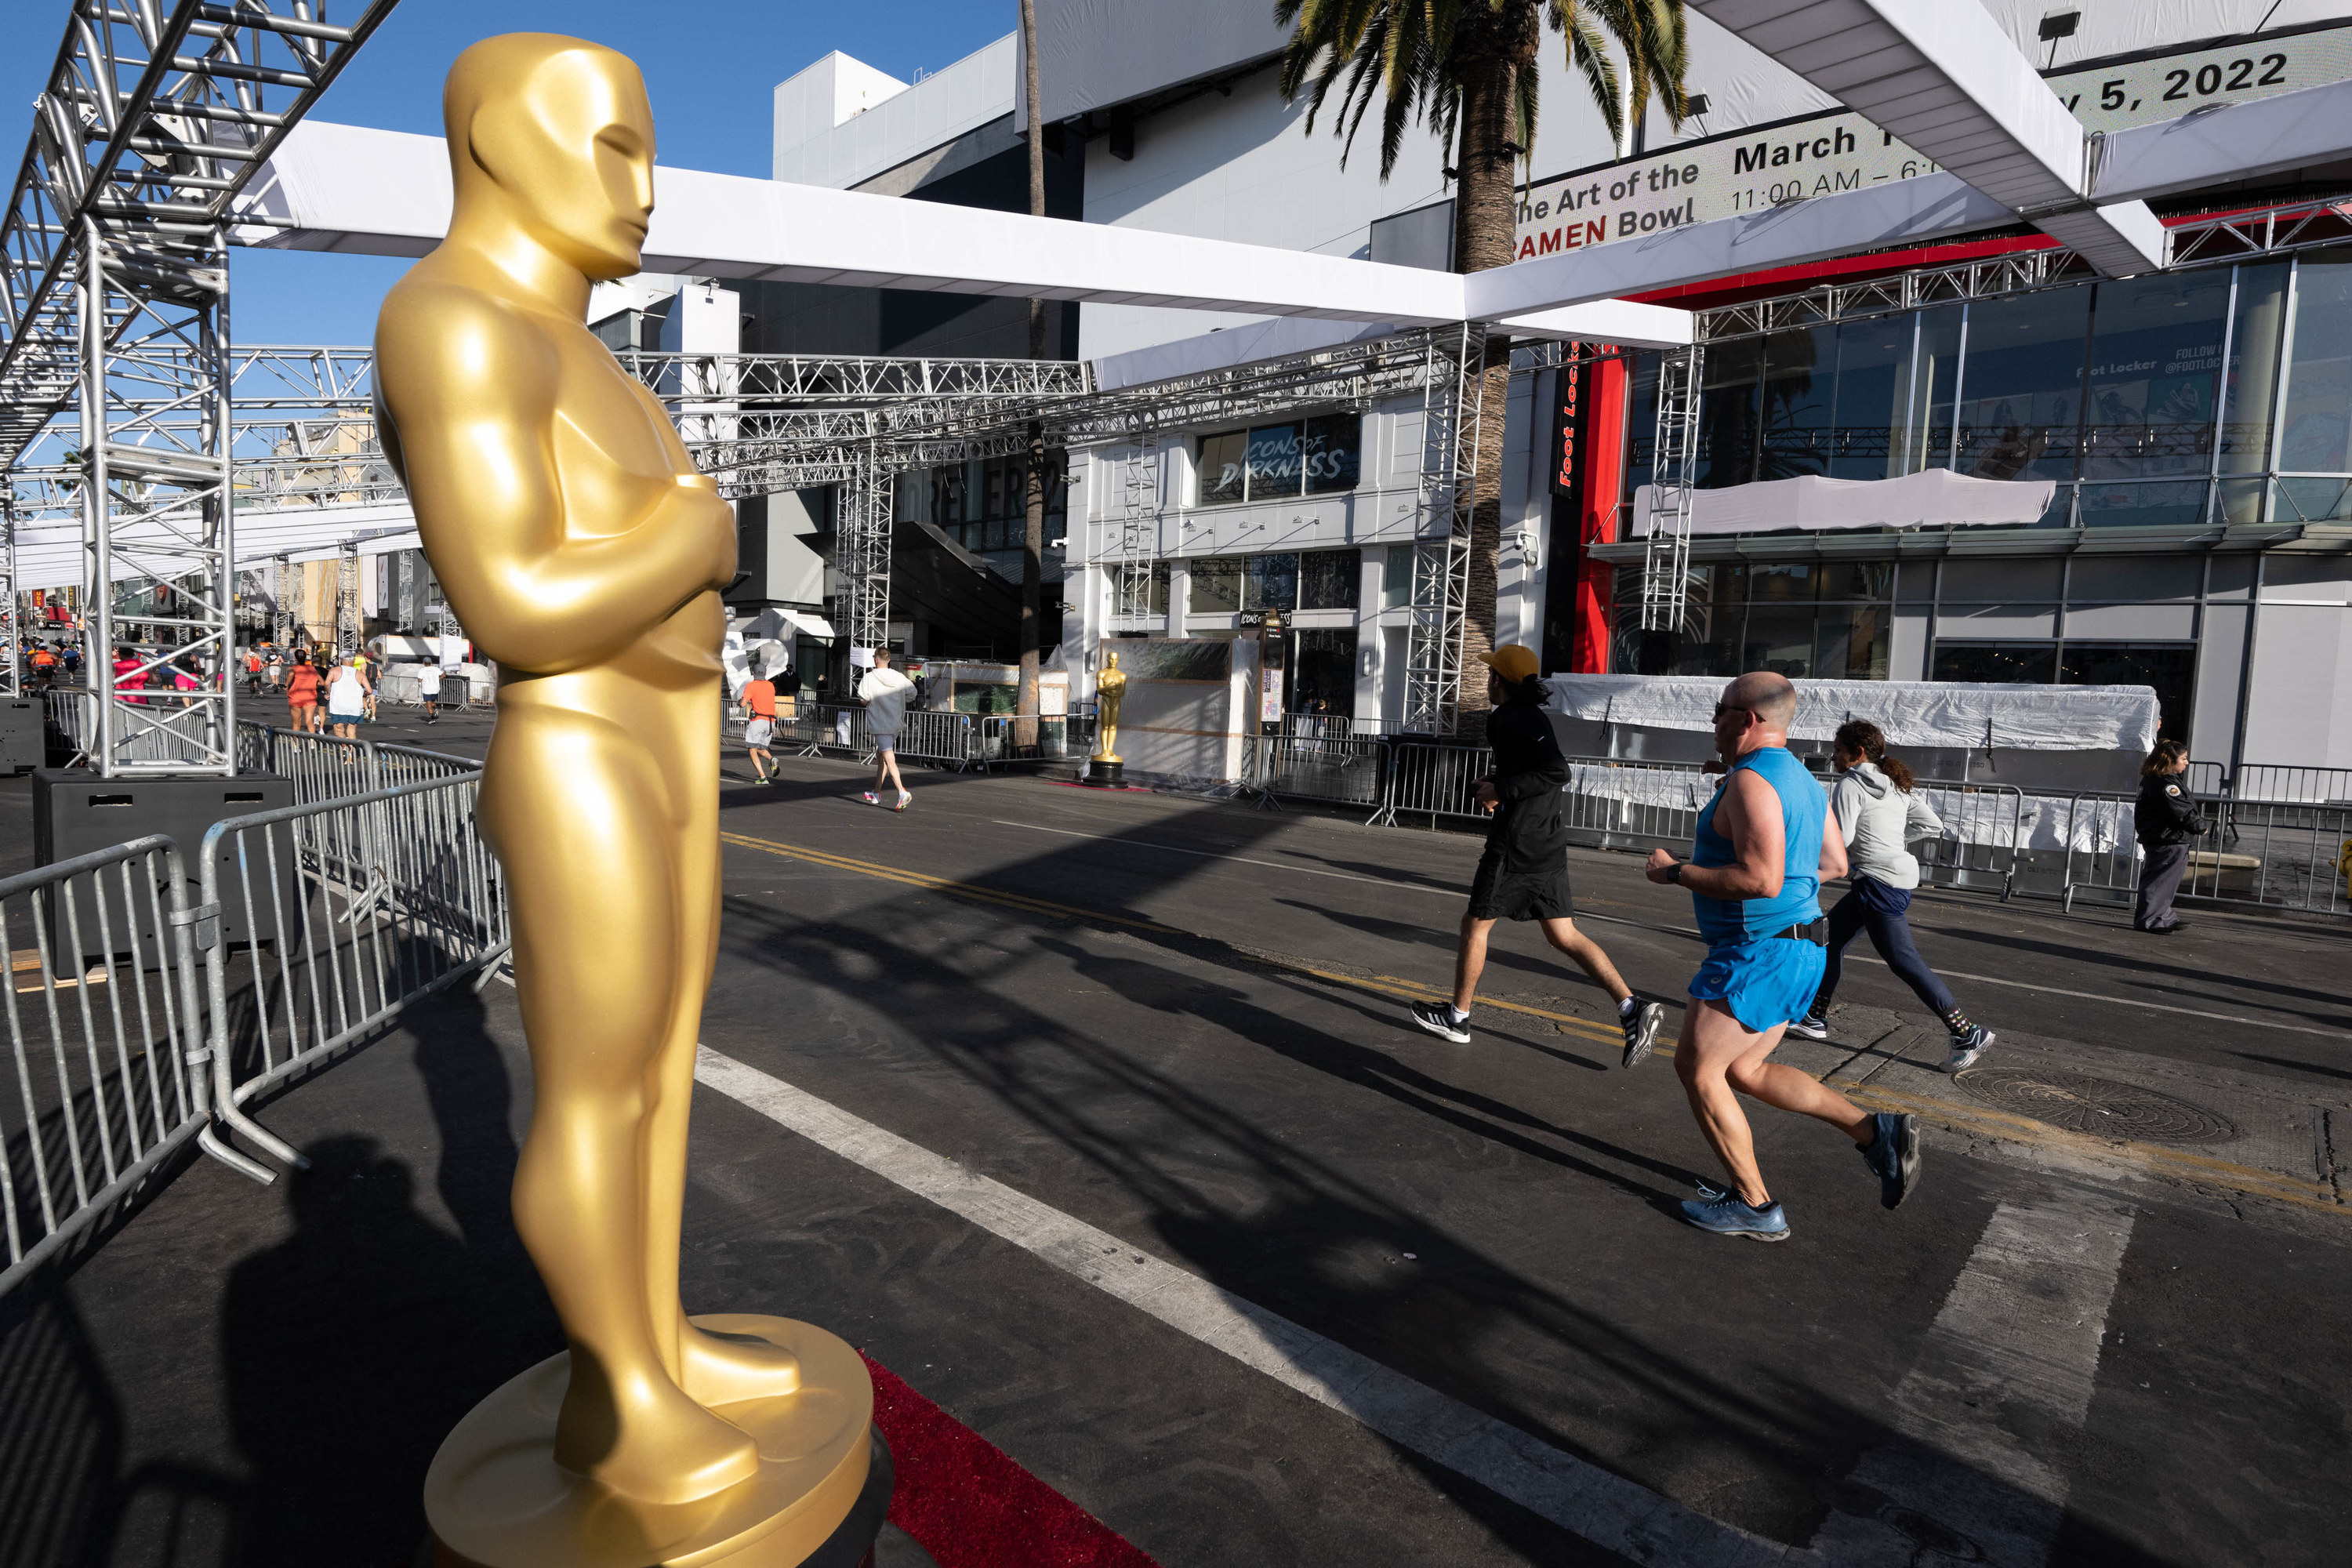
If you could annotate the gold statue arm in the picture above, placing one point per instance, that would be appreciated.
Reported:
(559, 602)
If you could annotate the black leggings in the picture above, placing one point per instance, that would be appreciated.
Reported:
(1890, 934)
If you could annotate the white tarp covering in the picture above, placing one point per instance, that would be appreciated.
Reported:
(1912, 713)
(1986, 816)
(1933, 497)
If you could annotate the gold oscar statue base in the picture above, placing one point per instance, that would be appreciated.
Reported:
(496, 1499)
(1105, 771)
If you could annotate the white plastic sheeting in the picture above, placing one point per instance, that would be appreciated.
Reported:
(2095, 824)
(1952, 714)
(1933, 497)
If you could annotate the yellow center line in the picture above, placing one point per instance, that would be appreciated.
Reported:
(2183, 1165)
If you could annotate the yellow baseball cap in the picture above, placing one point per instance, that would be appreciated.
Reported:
(1513, 662)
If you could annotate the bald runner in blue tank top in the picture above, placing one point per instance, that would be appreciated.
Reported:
(1765, 979)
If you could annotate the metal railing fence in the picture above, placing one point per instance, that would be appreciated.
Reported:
(153, 726)
(105, 1061)
(147, 1008)
(393, 896)
(329, 767)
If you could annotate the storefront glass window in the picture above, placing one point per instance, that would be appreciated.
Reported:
(2156, 364)
(1997, 663)
(1274, 460)
(1873, 398)
(1800, 382)
(1850, 642)
(2254, 368)
(1939, 381)
(1396, 577)
(1217, 585)
(1223, 471)
(1726, 412)
(1332, 452)
(1330, 579)
(2021, 397)
(2169, 668)
(1323, 672)
(1270, 581)
(2317, 437)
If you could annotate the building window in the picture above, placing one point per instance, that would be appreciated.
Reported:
(1806, 620)
(1310, 456)
(1270, 581)
(1323, 672)
(1217, 585)
(1396, 578)
(2168, 668)
(1139, 588)
(1330, 579)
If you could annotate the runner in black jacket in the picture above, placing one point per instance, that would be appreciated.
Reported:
(1523, 876)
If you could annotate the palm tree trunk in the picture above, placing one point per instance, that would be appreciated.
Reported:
(1032, 528)
(1496, 47)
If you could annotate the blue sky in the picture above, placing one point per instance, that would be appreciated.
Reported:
(711, 68)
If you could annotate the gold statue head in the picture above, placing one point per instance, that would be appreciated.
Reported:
(553, 137)
(1114, 660)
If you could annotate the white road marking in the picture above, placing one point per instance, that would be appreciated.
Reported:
(1686, 931)
(1605, 1509)
(2014, 1350)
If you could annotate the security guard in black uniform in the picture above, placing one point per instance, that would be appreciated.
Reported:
(2164, 820)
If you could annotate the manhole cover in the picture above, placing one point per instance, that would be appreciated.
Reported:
(2081, 1103)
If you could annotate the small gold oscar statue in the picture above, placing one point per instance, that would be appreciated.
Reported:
(1104, 768)
(586, 556)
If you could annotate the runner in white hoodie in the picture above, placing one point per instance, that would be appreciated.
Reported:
(1873, 801)
(884, 692)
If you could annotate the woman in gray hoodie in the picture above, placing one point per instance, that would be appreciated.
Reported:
(1874, 803)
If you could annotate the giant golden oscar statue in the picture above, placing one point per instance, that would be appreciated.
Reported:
(585, 555)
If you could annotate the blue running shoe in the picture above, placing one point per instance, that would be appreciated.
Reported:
(1893, 1156)
(1728, 1216)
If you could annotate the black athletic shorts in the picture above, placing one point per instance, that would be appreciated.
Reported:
(1538, 893)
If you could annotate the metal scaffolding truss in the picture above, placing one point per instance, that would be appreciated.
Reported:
(862, 554)
(1665, 560)
(115, 300)
(1452, 364)
(810, 380)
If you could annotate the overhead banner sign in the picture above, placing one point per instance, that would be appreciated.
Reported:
(1750, 171)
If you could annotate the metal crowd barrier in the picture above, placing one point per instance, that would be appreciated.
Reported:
(158, 724)
(107, 1061)
(395, 897)
(329, 767)
(145, 1013)
(946, 738)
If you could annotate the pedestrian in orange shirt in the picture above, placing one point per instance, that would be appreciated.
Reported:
(760, 701)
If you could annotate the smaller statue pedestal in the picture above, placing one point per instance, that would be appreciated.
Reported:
(496, 1499)
(1106, 772)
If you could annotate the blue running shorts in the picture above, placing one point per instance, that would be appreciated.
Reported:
(1765, 982)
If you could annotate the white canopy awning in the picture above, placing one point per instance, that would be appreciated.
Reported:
(1934, 498)
(1956, 714)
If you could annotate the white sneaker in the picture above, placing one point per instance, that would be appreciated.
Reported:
(1968, 1048)
(872, 799)
(1438, 1019)
(1811, 1027)
(906, 798)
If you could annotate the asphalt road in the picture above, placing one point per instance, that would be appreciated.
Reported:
(1095, 1118)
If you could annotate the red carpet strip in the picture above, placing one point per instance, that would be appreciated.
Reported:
(967, 1503)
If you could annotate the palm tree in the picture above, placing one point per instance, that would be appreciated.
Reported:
(1467, 69)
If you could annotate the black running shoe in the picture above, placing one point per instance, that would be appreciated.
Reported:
(1642, 1025)
(1438, 1019)
(1894, 1156)
(1811, 1027)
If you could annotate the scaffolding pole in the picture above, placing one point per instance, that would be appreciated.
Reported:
(1441, 553)
(1665, 557)
(862, 554)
